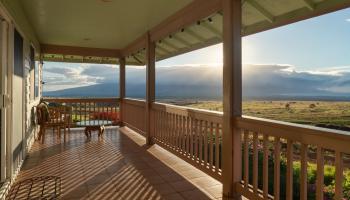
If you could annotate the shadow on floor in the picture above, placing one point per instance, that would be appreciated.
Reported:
(118, 166)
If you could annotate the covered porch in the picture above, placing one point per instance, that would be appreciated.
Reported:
(163, 151)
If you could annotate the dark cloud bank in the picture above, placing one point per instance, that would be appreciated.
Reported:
(203, 82)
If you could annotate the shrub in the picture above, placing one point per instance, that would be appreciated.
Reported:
(329, 178)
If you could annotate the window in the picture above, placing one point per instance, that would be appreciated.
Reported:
(36, 79)
(32, 73)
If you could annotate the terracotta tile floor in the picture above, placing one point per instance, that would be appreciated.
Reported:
(117, 166)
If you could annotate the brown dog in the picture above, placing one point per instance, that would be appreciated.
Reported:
(100, 129)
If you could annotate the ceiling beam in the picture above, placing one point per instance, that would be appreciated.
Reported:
(191, 47)
(309, 4)
(79, 51)
(167, 43)
(182, 41)
(194, 34)
(269, 17)
(193, 12)
(212, 29)
(162, 49)
(137, 59)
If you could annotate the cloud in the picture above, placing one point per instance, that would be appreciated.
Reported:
(258, 79)
(348, 20)
(68, 75)
(262, 80)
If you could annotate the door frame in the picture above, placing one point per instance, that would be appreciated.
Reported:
(5, 91)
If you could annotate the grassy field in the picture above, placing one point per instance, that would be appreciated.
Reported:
(320, 113)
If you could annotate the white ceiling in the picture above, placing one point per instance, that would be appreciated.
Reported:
(96, 23)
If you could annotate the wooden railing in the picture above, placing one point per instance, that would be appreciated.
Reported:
(134, 114)
(270, 149)
(272, 141)
(193, 134)
(94, 110)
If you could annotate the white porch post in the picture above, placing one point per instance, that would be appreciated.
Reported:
(121, 88)
(150, 85)
(232, 88)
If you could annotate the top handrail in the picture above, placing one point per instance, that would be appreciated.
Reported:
(191, 112)
(77, 100)
(327, 138)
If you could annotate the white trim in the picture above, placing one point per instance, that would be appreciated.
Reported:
(4, 102)
(10, 92)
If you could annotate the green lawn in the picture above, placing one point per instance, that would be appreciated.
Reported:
(302, 112)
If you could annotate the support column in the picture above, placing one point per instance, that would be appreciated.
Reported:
(232, 100)
(121, 89)
(150, 86)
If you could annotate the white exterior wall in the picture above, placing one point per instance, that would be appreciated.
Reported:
(30, 129)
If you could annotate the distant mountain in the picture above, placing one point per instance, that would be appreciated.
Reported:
(207, 92)
(260, 82)
(176, 92)
(98, 90)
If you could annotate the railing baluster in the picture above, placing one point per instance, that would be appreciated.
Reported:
(217, 148)
(188, 135)
(94, 112)
(196, 133)
(339, 176)
(206, 144)
(104, 112)
(167, 132)
(277, 170)
(191, 136)
(266, 167)
(79, 110)
(173, 130)
(162, 120)
(183, 135)
(177, 131)
(289, 178)
(246, 158)
(85, 113)
(320, 174)
(166, 128)
(108, 116)
(255, 161)
(86, 105)
(303, 172)
(211, 145)
(200, 134)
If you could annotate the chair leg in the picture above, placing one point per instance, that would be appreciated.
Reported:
(40, 132)
(65, 133)
(43, 135)
(59, 132)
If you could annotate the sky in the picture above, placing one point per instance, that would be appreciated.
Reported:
(316, 48)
